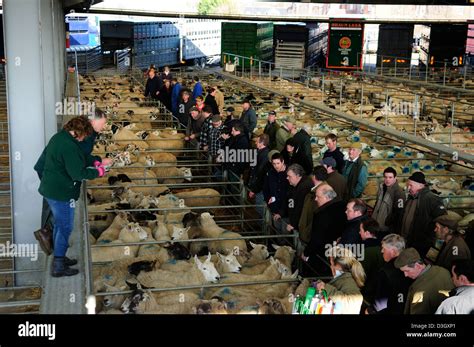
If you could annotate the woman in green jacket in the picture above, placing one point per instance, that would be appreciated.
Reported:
(349, 278)
(65, 167)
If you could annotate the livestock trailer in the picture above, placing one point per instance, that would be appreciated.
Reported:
(395, 45)
(167, 42)
(442, 44)
(345, 43)
(252, 40)
(299, 45)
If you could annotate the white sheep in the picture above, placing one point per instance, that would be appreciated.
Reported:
(285, 254)
(201, 273)
(113, 231)
(200, 197)
(172, 174)
(211, 230)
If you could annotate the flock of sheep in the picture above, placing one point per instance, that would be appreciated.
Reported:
(155, 247)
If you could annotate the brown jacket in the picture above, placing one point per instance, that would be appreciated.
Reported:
(454, 249)
(344, 291)
(339, 184)
(428, 291)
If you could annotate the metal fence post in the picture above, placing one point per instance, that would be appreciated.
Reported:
(322, 90)
(452, 126)
(381, 65)
(427, 63)
(361, 98)
(409, 75)
(270, 71)
(444, 74)
(465, 73)
(281, 72)
(395, 66)
(340, 95)
(259, 69)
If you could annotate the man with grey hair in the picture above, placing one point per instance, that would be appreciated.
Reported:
(391, 285)
(300, 185)
(328, 224)
(284, 133)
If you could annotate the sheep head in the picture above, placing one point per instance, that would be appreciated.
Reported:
(180, 233)
(259, 251)
(187, 174)
(207, 268)
(229, 262)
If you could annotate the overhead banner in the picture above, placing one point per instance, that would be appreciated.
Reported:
(345, 43)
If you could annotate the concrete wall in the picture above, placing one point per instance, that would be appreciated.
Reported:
(35, 53)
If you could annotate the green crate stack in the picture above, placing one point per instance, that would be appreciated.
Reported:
(248, 40)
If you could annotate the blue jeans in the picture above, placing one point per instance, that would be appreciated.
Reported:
(63, 212)
(260, 200)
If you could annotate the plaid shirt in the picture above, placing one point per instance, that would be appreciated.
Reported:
(216, 142)
(206, 127)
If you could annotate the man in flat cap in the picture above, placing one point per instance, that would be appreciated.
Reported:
(421, 208)
(454, 247)
(271, 129)
(355, 172)
(431, 286)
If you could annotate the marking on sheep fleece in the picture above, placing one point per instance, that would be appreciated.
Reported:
(20, 250)
(74, 108)
(228, 155)
(333, 250)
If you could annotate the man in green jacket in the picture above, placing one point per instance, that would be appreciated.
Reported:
(65, 166)
(432, 283)
(355, 172)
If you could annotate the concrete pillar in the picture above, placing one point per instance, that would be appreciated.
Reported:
(35, 51)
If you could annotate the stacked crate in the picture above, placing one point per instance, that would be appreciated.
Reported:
(248, 40)
(155, 43)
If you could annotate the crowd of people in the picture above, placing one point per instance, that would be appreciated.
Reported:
(395, 263)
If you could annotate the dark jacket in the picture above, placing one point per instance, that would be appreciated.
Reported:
(275, 185)
(297, 157)
(152, 86)
(295, 200)
(454, 249)
(303, 142)
(339, 184)
(183, 111)
(65, 167)
(236, 143)
(389, 207)
(257, 172)
(421, 234)
(372, 263)
(391, 288)
(271, 130)
(356, 174)
(195, 126)
(87, 146)
(175, 93)
(328, 224)
(165, 96)
(338, 157)
(249, 118)
(211, 101)
(350, 235)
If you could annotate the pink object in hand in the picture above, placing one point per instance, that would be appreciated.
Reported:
(101, 170)
(97, 163)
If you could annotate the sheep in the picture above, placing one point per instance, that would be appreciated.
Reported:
(270, 273)
(111, 302)
(258, 253)
(210, 229)
(146, 302)
(285, 254)
(124, 136)
(201, 273)
(214, 306)
(165, 253)
(466, 220)
(158, 158)
(113, 231)
(172, 174)
(161, 139)
(200, 197)
(131, 233)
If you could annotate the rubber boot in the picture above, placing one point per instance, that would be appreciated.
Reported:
(60, 269)
(69, 262)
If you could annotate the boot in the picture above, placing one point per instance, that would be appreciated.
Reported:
(69, 262)
(60, 269)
